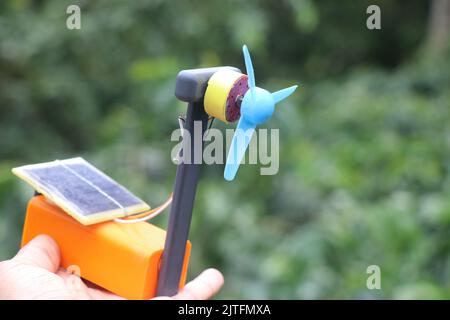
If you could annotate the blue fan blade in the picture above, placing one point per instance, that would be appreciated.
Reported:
(241, 139)
(249, 68)
(283, 93)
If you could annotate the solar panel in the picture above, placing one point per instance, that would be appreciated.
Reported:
(80, 189)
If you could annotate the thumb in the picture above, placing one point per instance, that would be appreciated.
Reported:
(42, 252)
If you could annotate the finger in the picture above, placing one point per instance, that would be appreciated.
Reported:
(69, 276)
(206, 285)
(101, 294)
(85, 288)
(42, 252)
(98, 292)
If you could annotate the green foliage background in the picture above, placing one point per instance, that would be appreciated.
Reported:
(365, 142)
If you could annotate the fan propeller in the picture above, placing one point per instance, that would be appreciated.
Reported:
(257, 107)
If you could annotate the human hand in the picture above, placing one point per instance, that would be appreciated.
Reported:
(35, 273)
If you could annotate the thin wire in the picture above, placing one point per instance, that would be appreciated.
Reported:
(211, 121)
(181, 122)
(155, 212)
(146, 215)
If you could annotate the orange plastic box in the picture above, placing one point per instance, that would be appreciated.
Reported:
(122, 258)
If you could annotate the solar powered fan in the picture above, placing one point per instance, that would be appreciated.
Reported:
(98, 224)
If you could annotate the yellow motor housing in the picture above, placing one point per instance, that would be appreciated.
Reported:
(224, 87)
